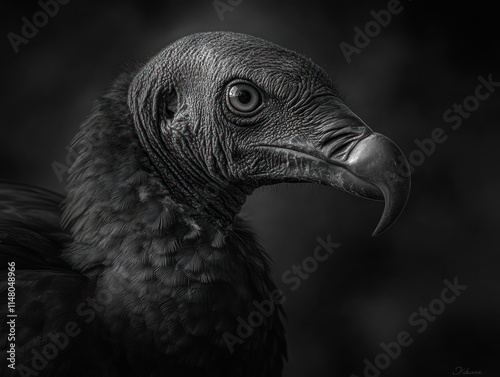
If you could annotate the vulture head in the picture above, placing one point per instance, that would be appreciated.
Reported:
(228, 112)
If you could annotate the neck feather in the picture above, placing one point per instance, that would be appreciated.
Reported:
(116, 180)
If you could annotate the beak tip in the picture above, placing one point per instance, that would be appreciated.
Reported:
(395, 201)
(381, 228)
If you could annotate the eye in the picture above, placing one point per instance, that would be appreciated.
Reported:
(243, 98)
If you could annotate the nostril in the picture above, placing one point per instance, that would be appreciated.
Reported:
(336, 142)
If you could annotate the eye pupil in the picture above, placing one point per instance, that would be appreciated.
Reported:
(243, 98)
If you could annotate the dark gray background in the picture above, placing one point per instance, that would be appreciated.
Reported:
(425, 60)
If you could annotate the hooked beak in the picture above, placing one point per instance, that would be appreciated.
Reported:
(376, 160)
(350, 156)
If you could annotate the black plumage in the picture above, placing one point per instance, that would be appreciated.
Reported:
(146, 256)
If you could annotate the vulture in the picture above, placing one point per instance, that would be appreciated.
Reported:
(144, 268)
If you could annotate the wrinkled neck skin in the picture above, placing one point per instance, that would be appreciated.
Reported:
(202, 196)
(159, 258)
